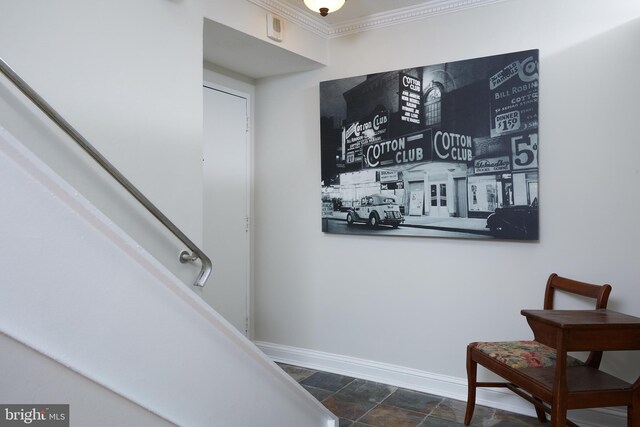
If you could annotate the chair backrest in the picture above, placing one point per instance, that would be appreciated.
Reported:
(598, 292)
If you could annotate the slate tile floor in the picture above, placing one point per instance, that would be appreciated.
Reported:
(360, 403)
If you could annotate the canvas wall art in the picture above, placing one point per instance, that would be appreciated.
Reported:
(445, 150)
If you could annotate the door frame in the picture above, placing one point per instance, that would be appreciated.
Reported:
(249, 193)
(439, 208)
(419, 187)
(461, 197)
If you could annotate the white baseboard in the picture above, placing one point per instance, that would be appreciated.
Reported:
(427, 382)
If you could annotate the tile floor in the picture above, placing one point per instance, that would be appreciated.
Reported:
(360, 403)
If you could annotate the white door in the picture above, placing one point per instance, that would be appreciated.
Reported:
(226, 204)
(439, 199)
(415, 203)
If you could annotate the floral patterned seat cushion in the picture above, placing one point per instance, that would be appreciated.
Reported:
(522, 354)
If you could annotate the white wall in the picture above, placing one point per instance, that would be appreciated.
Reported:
(250, 19)
(417, 302)
(78, 290)
(128, 76)
(123, 74)
(89, 402)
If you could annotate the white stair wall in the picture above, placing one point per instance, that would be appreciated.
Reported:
(52, 383)
(78, 291)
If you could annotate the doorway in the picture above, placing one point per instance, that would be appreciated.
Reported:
(416, 200)
(226, 186)
(438, 205)
(461, 197)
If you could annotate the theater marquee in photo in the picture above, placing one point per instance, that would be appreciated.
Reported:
(447, 150)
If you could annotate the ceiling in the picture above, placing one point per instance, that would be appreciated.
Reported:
(356, 9)
(249, 56)
(363, 15)
(239, 52)
(256, 58)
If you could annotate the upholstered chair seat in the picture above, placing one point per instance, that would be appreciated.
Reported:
(522, 354)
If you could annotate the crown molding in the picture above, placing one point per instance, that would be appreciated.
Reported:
(295, 15)
(428, 9)
(400, 16)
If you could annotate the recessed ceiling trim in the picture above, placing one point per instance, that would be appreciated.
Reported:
(404, 15)
(394, 17)
(295, 15)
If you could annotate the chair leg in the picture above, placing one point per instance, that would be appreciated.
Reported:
(542, 416)
(472, 369)
(633, 411)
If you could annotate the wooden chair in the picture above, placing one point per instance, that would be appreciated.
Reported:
(507, 358)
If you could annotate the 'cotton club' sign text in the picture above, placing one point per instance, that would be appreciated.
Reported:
(452, 146)
(396, 151)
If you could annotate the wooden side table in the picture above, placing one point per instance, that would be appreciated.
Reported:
(583, 386)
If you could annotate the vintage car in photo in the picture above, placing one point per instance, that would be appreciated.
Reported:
(515, 222)
(375, 210)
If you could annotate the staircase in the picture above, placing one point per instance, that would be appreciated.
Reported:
(89, 318)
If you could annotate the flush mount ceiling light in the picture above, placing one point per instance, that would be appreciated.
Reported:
(324, 6)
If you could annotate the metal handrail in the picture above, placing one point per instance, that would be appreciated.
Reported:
(185, 256)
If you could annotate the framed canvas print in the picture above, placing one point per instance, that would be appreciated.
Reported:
(445, 150)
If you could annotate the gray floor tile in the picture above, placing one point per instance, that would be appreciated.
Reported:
(454, 410)
(327, 381)
(318, 393)
(413, 400)
(439, 422)
(388, 416)
(508, 419)
(296, 372)
(367, 390)
(349, 407)
(361, 403)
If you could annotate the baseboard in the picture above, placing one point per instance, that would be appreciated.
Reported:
(427, 382)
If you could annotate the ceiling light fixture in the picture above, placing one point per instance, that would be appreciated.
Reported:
(324, 6)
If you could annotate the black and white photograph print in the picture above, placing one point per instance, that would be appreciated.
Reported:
(445, 150)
